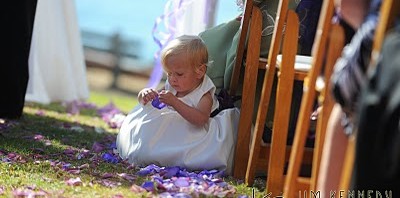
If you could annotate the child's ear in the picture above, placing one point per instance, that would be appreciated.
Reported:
(201, 71)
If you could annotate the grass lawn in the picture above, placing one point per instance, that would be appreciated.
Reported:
(51, 153)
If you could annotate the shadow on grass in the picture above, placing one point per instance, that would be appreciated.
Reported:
(65, 141)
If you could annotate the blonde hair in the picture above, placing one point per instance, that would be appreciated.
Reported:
(192, 47)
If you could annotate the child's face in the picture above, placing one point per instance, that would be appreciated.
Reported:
(181, 76)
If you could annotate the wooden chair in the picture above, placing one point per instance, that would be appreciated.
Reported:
(388, 11)
(249, 84)
(330, 37)
(247, 162)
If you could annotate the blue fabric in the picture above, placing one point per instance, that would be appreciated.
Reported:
(308, 12)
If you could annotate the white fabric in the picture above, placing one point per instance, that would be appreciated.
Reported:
(163, 137)
(57, 70)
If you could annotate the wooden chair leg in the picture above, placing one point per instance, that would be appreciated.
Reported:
(249, 88)
(254, 156)
(283, 105)
(309, 93)
(336, 43)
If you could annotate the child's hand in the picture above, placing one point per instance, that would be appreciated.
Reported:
(146, 95)
(167, 98)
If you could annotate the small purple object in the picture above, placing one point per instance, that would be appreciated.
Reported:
(157, 104)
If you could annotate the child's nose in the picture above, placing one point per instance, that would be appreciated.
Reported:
(172, 78)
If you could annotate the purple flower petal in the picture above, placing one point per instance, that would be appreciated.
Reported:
(109, 183)
(38, 137)
(74, 171)
(181, 182)
(25, 193)
(66, 166)
(170, 172)
(148, 170)
(73, 108)
(137, 189)
(148, 185)
(2, 189)
(83, 166)
(74, 182)
(40, 113)
(97, 147)
(128, 177)
(107, 175)
(69, 151)
(182, 195)
(109, 158)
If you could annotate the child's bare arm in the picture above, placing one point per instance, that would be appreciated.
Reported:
(197, 116)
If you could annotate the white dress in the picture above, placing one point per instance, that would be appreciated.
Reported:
(57, 69)
(163, 137)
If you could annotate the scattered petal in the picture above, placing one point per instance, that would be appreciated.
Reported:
(97, 147)
(181, 182)
(107, 175)
(137, 189)
(110, 158)
(74, 182)
(128, 177)
(73, 108)
(109, 183)
(38, 137)
(170, 172)
(40, 113)
(148, 185)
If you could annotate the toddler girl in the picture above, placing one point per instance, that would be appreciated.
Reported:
(182, 133)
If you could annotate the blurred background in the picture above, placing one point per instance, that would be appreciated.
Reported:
(119, 38)
(104, 51)
(104, 23)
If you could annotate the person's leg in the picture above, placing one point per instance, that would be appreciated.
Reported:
(16, 19)
(333, 154)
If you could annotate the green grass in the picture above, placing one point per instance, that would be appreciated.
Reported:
(34, 167)
(124, 102)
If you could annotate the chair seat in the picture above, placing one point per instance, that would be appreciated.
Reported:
(302, 64)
